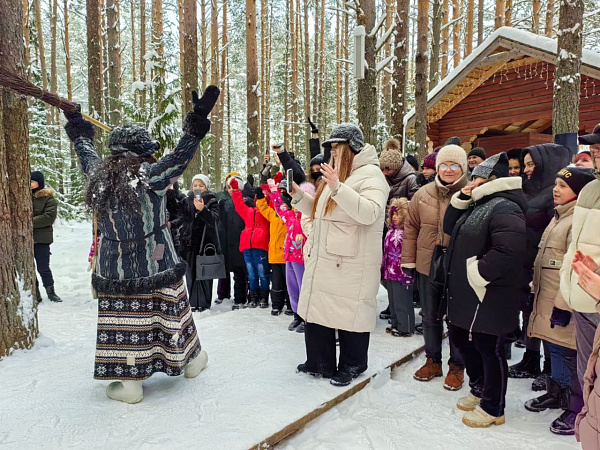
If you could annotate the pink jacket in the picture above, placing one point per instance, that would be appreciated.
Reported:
(295, 237)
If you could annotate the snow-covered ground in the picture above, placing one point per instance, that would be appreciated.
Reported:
(48, 398)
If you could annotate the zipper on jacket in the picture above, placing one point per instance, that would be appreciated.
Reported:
(473, 323)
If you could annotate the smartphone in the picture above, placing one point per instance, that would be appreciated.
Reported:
(290, 180)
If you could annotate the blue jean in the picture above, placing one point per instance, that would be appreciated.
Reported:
(257, 266)
(560, 368)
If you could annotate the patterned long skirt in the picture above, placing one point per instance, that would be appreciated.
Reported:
(141, 334)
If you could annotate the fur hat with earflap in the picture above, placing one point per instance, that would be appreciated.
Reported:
(398, 205)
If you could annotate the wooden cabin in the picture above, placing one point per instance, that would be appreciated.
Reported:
(500, 96)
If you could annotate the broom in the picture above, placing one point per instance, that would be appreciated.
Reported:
(24, 87)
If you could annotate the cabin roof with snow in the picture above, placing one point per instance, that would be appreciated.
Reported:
(500, 96)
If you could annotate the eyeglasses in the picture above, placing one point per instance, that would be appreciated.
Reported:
(452, 167)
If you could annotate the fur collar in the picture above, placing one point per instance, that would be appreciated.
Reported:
(498, 185)
(46, 192)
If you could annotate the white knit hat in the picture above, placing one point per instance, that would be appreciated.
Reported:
(202, 178)
(452, 153)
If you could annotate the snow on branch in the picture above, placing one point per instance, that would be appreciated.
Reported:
(384, 37)
(384, 62)
(452, 22)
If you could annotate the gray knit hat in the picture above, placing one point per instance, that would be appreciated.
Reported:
(346, 133)
(496, 165)
(131, 138)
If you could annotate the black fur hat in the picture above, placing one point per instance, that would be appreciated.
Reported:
(131, 138)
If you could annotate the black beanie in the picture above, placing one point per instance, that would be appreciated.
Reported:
(39, 177)
(413, 161)
(576, 177)
(454, 140)
(478, 151)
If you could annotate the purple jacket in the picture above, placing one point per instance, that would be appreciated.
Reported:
(392, 255)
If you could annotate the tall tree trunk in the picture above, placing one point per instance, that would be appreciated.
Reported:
(203, 46)
(549, 18)
(190, 72)
(294, 67)
(367, 87)
(535, 16)
(158, 73)
(40, 37)
(253, 150)
(26, 37)
(436, 34)
(264, 24)
(18, 314)
(346, 68)
(456, 31)
(133, 46)
(215, 76)
(306, 76)
(500, 10)
(445, 37)
(56, 163)
(338, 70)
(387, 77)
(421, 89)
(114, 60)
(224, 76)
(94, 53)
(400, 68)
(470, 27)
(480, 9)
(316, 35)
(508, 13)
(225, 81)
(68, 72)
(567, 81)
(142, 93)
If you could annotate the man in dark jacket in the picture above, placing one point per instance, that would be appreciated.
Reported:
(398, 172)
(44, 215)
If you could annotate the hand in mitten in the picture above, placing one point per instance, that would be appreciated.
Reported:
(250, 180)
(559, 317)
(77, 126)
(259, 193)
(196, 122)
(278, 177)
(313, 127)
(272, 185)
(234, 184)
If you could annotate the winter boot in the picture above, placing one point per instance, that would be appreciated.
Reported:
(303, 369)
(385, 314)
(126, 391)
(429, 371)
(52, 295)
(301, 328)
(263, 300)
(295, 323)
(341, 378)
(289, 312)
(478, 418)
(539, 384)
(196, 365)
(468, 403)
(549, 400)
(529, 367)
(455, 378)
(254, 298)
(276, 312)
(38, 295)
(565, 424)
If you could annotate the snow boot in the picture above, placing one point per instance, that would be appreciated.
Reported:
(275, 312)
(539, 384)
(301, 328)
(263, 299)
(126, 391)
(565, 424)
(429, 371)
(520, 343)
(218, 301)
(341, 379)
(297, 321)
(468, 403)
(289, 312)
(254, 297)
(385, 314)
(478, 418)
(455, 378)
(396, 333)
(237, 306)
(529, 367)
(303, 369)
(549, 400)
(196, 365)
(52, 295)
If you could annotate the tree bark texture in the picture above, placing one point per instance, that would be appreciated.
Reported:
(367, 87)
(18, 315)
(470, 27)
(94, 53)
(500, 10)
(535, 16)
(456, 31)
(421, 62)
(215, 77)
(253, 150)
(445, 37)
(400, 68)
(436, 35)
(567, 81)
(480, 9)
(114, 60)
(142, 94)
(549, 18)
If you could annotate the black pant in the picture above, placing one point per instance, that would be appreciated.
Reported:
(240, 286)
(402, 310)
(485, 362)
(199, 291)
(278, 286)
(321, 350)
(41, 252)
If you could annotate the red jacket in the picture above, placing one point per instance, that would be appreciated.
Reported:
(256, 233)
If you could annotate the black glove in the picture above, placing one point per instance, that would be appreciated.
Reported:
(313, 127)
(259, 193)
(196, 122)
(559, 317)
(250, 180)
(77, 126)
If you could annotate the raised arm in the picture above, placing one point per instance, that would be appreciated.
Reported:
(81, 133)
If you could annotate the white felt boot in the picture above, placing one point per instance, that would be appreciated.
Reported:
(125, 391)
(195, 366)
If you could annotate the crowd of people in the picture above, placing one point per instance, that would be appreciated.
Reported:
(500, 250)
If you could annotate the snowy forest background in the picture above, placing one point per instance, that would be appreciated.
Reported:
(145, 57)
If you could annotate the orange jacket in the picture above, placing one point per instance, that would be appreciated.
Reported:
(278, 232)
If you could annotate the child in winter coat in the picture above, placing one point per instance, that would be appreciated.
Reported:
(399, 285)
(276, 259)
(254, 244)
(294, 247)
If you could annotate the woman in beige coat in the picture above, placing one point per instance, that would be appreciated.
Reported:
(551, 319)
(343, 263)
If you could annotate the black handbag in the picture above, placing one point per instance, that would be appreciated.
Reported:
(437, 272)
(210, 265)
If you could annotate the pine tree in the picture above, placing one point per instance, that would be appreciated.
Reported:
(421, 88)
(253, 150)
(399, 94)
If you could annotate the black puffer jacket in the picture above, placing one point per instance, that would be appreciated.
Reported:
(195, 223)
(230, 230)
(549, 159)
(403, 183)
(175, 208)
(490, 227)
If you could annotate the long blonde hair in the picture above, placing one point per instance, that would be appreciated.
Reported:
(343, 163)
